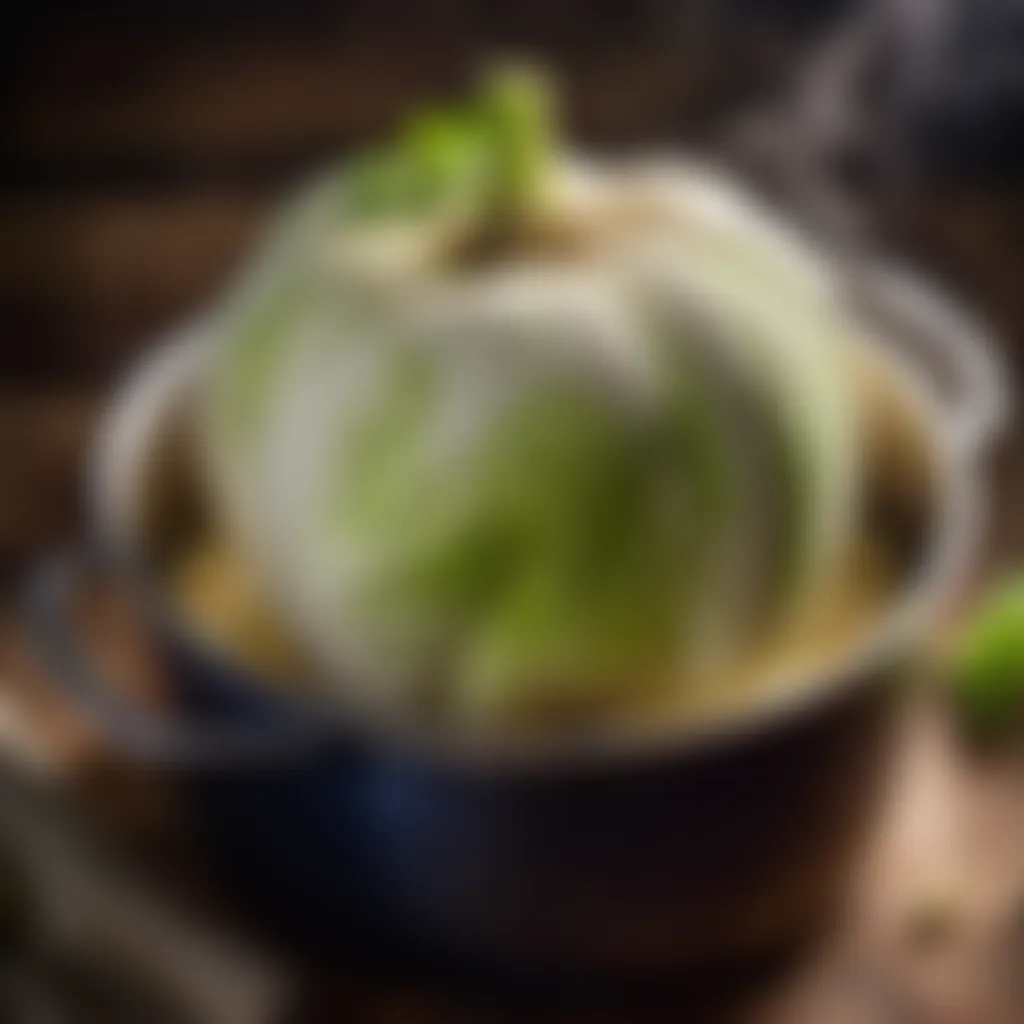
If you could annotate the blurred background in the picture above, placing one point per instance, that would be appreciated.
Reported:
(142, 144)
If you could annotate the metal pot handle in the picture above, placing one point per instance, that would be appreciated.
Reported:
(47, 602)
(956, 350)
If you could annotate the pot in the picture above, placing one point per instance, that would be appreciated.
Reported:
(628, 856)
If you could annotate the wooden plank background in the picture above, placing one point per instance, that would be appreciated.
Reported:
(141, 146)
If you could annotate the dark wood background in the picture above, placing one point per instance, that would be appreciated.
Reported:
(142, 144)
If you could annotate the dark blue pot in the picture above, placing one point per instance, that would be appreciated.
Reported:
(640, 861)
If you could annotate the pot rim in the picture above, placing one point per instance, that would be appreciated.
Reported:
(133, 418)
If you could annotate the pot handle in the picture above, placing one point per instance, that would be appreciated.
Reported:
(47, 602)
(958, 352)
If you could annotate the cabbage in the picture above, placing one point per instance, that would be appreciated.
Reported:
(503, 449)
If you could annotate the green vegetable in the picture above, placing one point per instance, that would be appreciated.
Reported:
(516, 128)
(541, 481)
(436, 162)
(490, 158)
(549, 549)
(988, 665)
